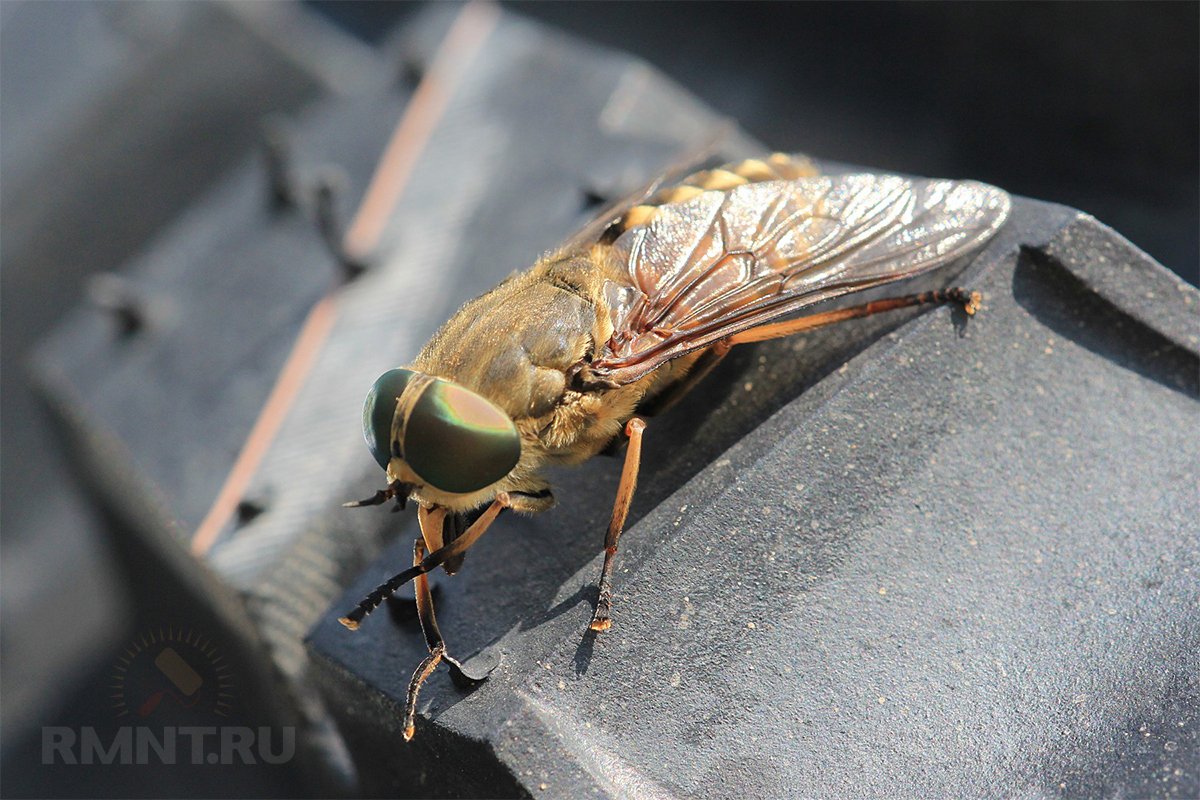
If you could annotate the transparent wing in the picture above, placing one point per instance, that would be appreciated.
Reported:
(723, 262)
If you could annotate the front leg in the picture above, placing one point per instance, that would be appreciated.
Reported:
(429, 562)
(602, 619)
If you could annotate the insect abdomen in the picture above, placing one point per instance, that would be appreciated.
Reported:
(777, 166)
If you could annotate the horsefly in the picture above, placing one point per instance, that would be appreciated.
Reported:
(560, 361)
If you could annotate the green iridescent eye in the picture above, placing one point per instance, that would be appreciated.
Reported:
(378, 410)
(458, 441)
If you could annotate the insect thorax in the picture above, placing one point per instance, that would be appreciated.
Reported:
(517, 344)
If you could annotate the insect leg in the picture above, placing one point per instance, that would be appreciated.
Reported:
(428, 563)
(431, 520)
(602, 618)
(433, 641)
(967, 299)
(454, 525)
(433, 526)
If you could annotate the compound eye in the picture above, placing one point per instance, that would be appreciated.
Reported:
(378, 410)
(458, 441)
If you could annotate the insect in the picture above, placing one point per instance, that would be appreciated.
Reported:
(560, 361)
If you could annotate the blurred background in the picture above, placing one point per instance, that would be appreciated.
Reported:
(115, 117)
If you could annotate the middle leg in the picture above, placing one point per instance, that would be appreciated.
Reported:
(602, 618)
